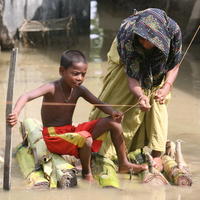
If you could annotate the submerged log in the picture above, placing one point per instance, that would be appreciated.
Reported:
(104, 171)
(26, 163)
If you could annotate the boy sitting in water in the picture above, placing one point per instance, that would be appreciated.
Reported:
(59, 101)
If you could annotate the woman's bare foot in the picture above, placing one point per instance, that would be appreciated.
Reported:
(132, 167)
(88, 177)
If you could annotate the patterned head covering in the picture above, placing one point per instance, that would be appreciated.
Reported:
(155, 26)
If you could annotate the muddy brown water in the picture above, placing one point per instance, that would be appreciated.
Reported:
(35, 67)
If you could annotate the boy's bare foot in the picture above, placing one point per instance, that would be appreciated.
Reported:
(88, 177)
(158, 163)
(132, 167)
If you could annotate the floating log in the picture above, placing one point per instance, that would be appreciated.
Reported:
(35, 139)
(174, 174)
(65, 172)
(56, 169)
(26, 163)
(104, 171)
(137, 156)
(170, 149)
(175, 167)
(179, 157)
(153, 178)
(152, 175)
(50, 174)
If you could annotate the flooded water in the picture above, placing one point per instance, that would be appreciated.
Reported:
(36, 66)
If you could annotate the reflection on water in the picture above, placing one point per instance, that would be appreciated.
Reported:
(38, 66)
(96, 33)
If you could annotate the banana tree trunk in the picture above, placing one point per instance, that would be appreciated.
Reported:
(65, 172)
(104, 171)
(174, 174)
(35, 139)
(26, 163)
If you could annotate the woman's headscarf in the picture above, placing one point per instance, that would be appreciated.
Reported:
(155, 26)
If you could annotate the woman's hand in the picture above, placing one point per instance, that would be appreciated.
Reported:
(12, 119)
(144, 103)
(117, 116)
(161, 93)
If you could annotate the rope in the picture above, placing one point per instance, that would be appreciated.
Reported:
(74, 104)
(116, 105)
(189, 44)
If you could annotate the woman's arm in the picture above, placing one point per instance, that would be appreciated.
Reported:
(137, 91)
(169, 81)
(172, 74)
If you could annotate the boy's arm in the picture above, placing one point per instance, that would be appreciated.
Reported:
(22, 100)
(88, 96)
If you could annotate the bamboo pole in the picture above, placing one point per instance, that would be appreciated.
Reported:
(8, 143)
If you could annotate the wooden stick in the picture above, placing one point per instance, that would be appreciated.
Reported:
(8, 144)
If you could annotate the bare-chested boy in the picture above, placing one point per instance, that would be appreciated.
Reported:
(59, 101)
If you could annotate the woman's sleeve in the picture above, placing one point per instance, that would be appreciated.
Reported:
(175, 53)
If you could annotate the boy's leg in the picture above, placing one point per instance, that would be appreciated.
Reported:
(85, 157)
(108, 124)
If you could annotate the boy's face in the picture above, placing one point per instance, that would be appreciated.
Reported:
(74, 75)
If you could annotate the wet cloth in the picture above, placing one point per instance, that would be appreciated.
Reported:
(66, 140)
(139, 128)
(149, 66)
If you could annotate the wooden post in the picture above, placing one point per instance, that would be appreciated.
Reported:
(8, 143)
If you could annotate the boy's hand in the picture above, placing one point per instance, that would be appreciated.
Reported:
(161, 94)
(12, 119)
(117, 116)
(144, 103)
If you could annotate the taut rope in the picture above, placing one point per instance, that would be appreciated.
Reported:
(121, 105)
(190, 44)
